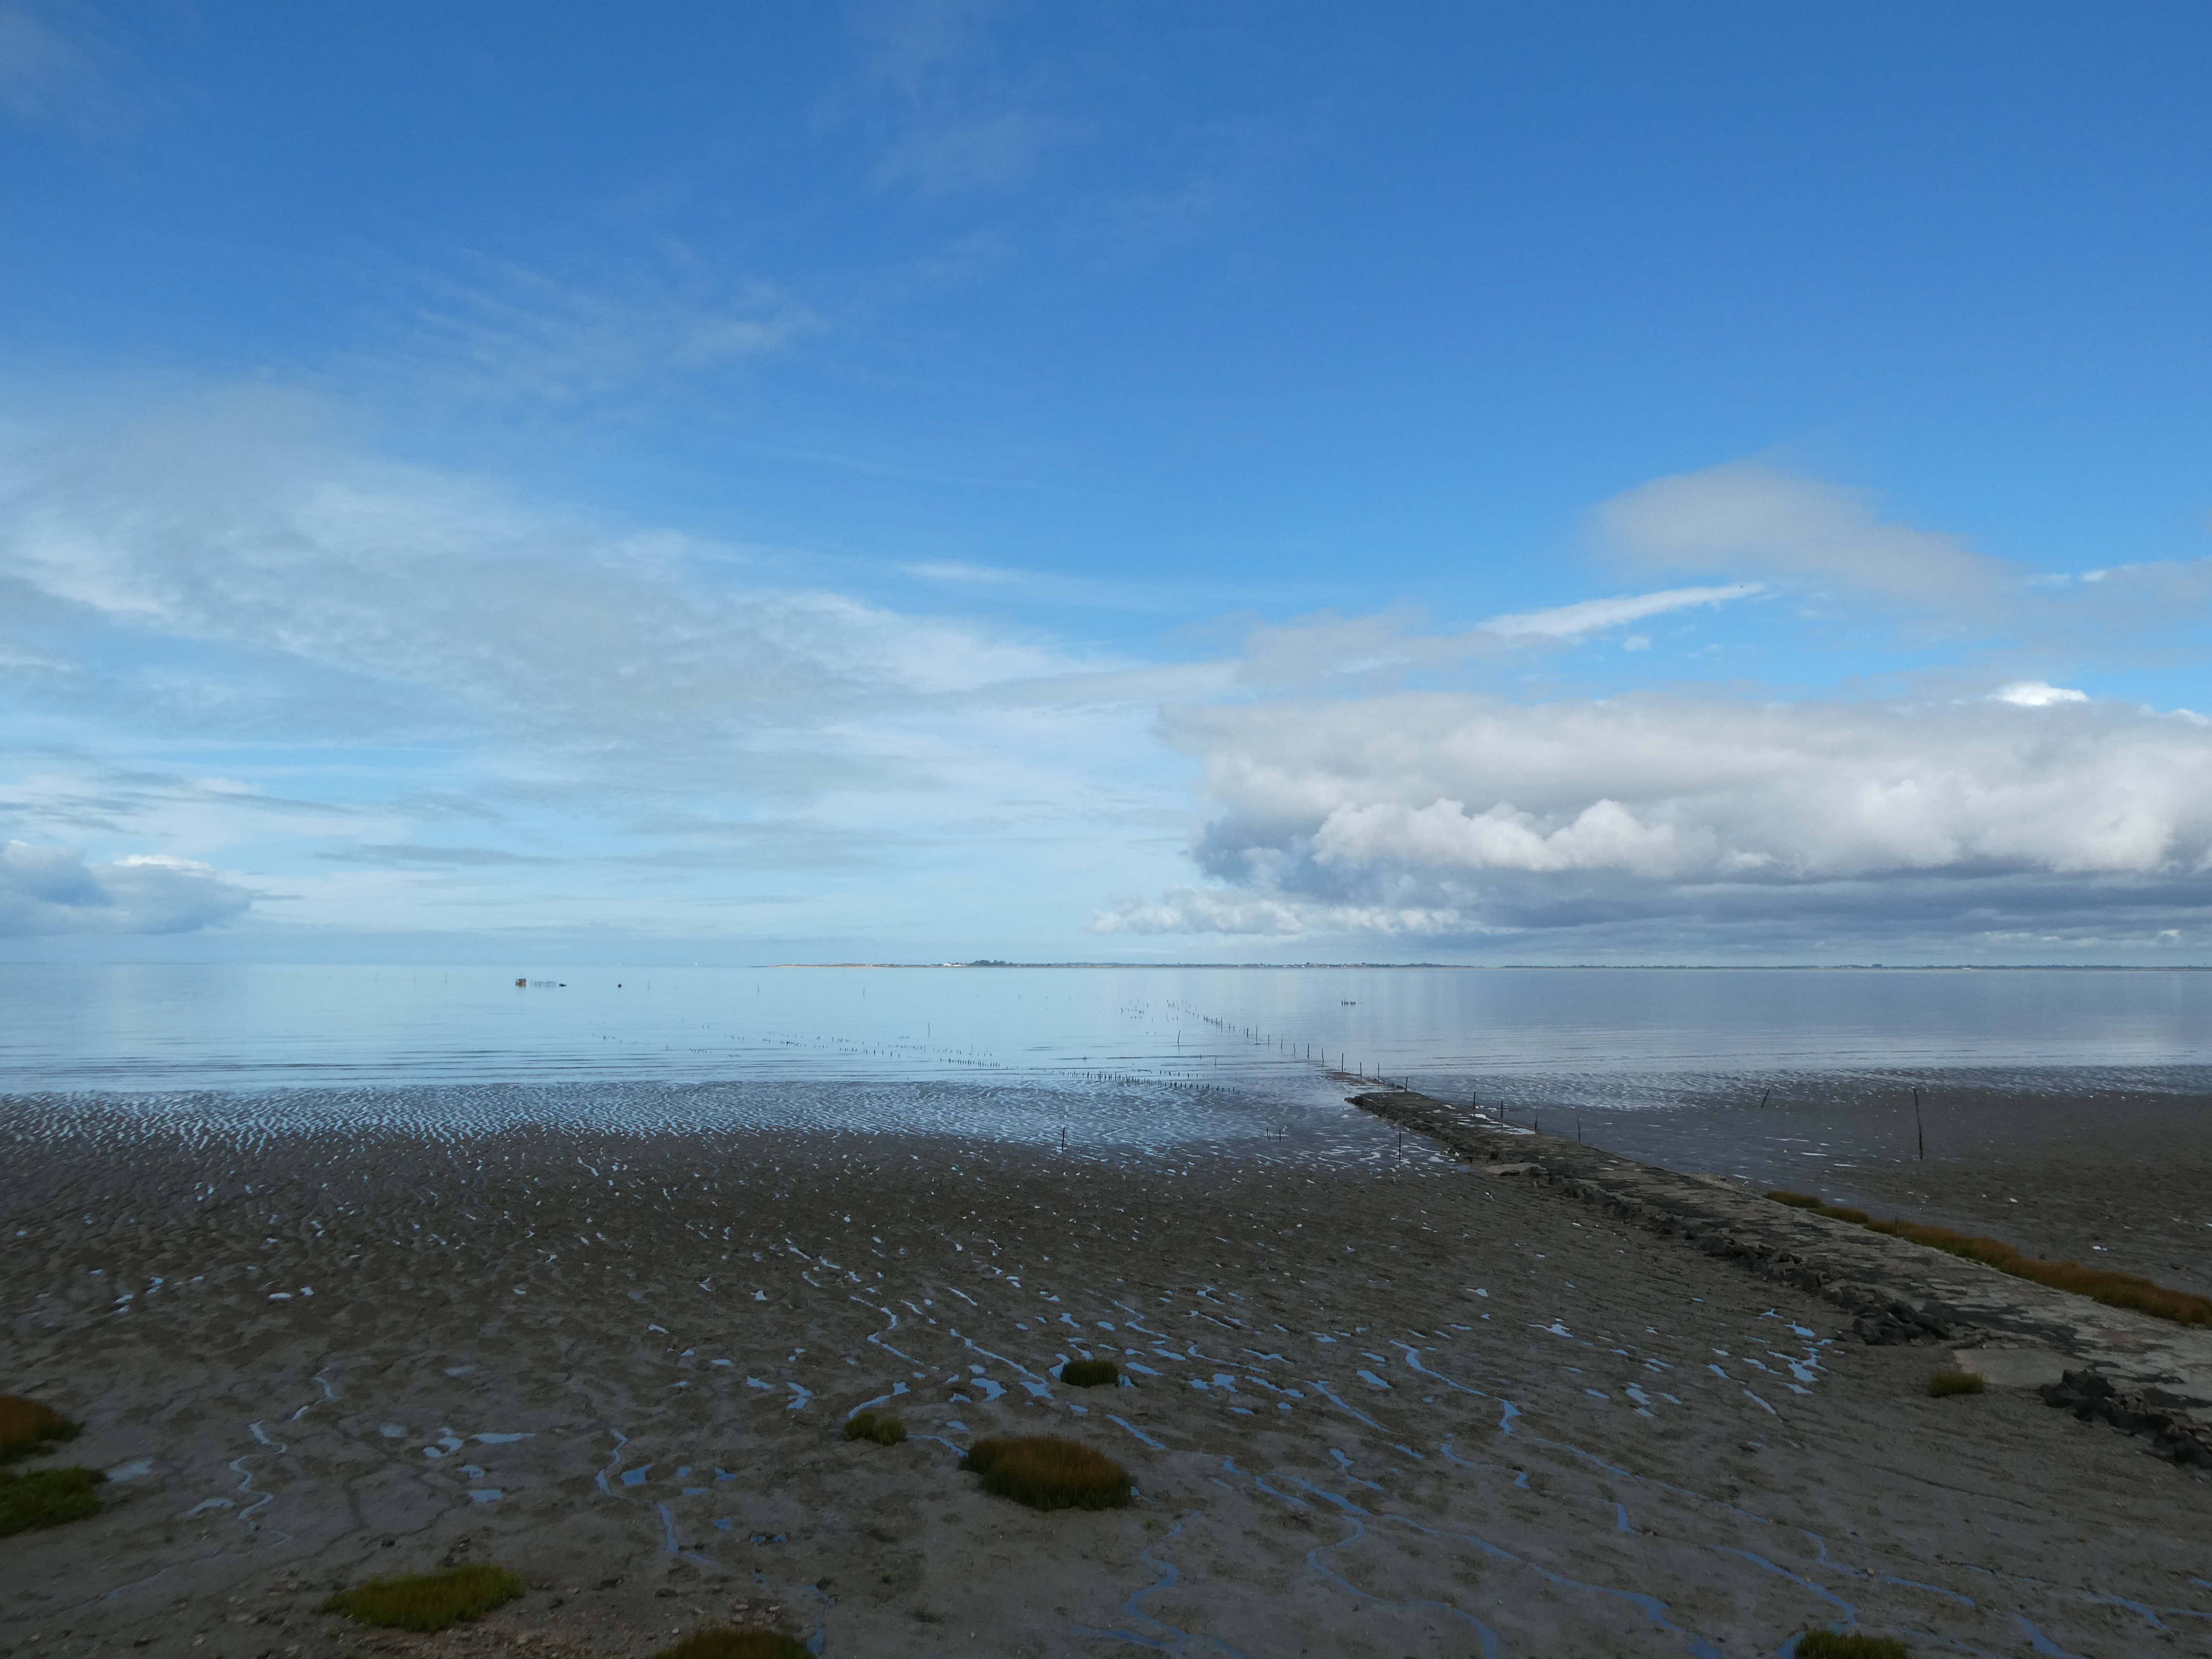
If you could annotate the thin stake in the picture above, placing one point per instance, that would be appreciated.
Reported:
(1919, 1130)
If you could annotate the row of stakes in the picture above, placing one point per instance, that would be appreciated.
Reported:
(1474, 1096)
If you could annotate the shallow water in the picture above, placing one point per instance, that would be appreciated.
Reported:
(170, 1026)
(1708, 1067)
(1135, 1118)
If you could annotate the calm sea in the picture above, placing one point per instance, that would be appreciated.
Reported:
(1644, 1057)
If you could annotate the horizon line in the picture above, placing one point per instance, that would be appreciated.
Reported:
(1613, 967)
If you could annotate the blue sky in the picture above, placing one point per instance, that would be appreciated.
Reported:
(1586, 483)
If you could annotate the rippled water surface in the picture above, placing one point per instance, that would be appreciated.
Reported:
(170, 1026)
(1122, 1054)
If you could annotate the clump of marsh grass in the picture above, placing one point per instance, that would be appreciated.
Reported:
(41, 1498)
(721, 1641)
(29, 1426)
(1090, 1373)
(2114, 1290)
(1848, 1644)
(1944, 1383)
(884, 1431)
(1048, 1473)
(428, 1600)
(47, 1498)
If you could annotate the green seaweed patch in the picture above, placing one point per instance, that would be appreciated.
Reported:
(1848, 1644)
(2114, 1290)
(30, 1427)
(884, 1431)
(1944, 1383)
(723, 1641)
(428, 1600)
(47, 1498)
(1091, 1374)
(1048, 1473)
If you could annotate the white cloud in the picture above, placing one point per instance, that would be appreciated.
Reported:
(393, 665)
(1596, 616)
(1386, 645)
(1459, 813)
(1225, 911)
(1755, 519)
(51, 890)
(2037, 693)
(462, 610)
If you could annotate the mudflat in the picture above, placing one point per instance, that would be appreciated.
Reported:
(2114, 1177)
(1375, 1409)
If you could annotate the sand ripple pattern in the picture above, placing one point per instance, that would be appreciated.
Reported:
(1371, 1406)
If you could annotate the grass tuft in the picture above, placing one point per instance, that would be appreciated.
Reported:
(30, 1425)
(2114, 1290)
(1943, 1383)
(1048, 1473)
(720, 1642)
(1848, 1644)
(1797, 1201)
(1090, 1373)
(428, 1600)
(47, 1498)
(884, 1431)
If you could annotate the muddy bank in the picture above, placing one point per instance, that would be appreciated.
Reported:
(1390, 1411)
(2117, 1176)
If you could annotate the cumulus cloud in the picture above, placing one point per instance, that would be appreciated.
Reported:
(1462, 814)
(1756, 520)
(51, 890)
(2037, 694)
(1223, 911)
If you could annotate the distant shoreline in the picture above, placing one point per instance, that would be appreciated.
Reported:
(1582, 967)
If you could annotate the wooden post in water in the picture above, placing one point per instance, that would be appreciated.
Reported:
(1919, 1129)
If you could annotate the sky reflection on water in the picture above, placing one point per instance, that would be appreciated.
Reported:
(1125, 1056)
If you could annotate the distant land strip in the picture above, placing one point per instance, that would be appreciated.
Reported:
(1582, 967)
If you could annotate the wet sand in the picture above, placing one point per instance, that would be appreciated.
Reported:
(2117, 1178)
(1388, 1410)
